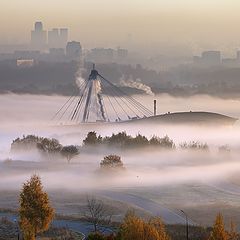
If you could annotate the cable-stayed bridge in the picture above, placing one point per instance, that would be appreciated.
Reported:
(91, 105)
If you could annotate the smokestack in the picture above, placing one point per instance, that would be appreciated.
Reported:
(155, 107)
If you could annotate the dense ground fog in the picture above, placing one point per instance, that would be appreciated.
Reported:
(175, 179)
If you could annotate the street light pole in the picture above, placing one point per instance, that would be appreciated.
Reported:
(15, 220)
(186, 216)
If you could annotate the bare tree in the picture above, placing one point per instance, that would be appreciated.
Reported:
(97, 213)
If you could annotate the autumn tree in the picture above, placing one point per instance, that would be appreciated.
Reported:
(218, 232)
(69, 152)
(158, 224)
(134, 227)
(233, 234)
(35, 211)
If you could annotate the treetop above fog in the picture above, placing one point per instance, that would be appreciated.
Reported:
(123, 140)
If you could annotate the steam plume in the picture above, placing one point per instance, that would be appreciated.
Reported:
(136, 84)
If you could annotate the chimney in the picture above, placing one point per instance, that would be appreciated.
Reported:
(155, 107)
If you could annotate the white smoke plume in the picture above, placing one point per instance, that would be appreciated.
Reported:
(79, 79)
(136, 84)
(98, 86)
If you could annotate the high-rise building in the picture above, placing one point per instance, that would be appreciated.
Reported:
(73, 50)
(57, 38)
(238, 55)
(102, 55)
(38, 26)
(122, 53)
(63, 35)
(211, 58)
(38, 37)
(53, 38)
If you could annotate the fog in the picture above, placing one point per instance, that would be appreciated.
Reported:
(29, 114)
(179, 178)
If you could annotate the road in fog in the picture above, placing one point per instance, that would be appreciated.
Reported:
(226, 186)
(154, 208)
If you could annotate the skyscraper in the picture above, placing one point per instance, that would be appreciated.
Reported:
(63, 36)
(38, 37)
(57, 38)
(53, 38)
(211, 58)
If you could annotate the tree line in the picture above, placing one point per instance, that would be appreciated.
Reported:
(48, 147)
(51, 148)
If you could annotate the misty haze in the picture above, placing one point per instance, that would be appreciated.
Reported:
(120, 120)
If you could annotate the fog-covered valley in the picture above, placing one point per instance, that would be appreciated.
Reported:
(155, 180)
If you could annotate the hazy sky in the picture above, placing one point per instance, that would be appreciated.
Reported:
(195, 24)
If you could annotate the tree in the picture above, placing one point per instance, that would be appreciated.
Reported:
(218, 232)
(164, 142)
(112, 162)
(131, 228)
(49, 146)
(69, 152)
(35, 211)
(195, 146)
(134, 227)
(97, 214)
(160, 227)
(92, 139)
(120, 139)
(25, 143)
(233, 234)
(140, 140)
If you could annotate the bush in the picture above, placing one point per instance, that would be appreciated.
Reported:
(194, 146)
(112, 162)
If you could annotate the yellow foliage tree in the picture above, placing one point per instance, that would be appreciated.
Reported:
(35, 211)
(134, 227)
(160, 227)
(218, 232)
(233, 234)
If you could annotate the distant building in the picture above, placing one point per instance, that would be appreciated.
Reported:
(211, 58)
(197, 60)
(63, 35)
(57, 38)
(25, 63)
(26, 55)
(238, 56)
(53, 38)
(101, 55)
(122, 53)
(56, 55)
(73, 51)
(38, 37)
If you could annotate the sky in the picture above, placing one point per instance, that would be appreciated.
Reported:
(153, 24)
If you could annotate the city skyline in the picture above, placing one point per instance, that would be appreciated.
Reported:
(192, 26)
